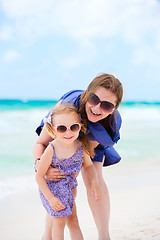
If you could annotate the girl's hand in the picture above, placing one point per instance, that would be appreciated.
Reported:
(53, 174)
(56, 204)
(96, 191)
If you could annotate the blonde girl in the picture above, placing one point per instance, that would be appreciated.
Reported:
(68, 154)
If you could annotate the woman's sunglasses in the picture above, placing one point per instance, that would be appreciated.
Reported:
(105, 106)
(73, 128)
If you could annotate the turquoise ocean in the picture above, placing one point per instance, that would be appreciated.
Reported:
(140, 138)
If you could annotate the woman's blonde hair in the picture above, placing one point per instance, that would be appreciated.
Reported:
(68, 108)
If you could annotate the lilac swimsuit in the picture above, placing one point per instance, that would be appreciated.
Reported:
(63, 189)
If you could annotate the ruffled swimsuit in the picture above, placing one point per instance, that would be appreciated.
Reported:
(63, 189)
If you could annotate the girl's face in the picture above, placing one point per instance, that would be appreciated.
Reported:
(67, 120)
(96, 112)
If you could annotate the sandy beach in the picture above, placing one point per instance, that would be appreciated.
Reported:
(135, 212)
(134, 183)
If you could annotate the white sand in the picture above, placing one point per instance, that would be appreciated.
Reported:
(135, 212)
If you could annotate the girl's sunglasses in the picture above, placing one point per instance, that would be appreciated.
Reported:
(73, 128)
(105, 106)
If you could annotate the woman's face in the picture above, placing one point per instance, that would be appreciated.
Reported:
(94, 112)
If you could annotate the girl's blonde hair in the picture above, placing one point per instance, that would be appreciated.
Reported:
(68, 108)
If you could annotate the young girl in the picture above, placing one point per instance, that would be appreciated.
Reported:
(67, 153)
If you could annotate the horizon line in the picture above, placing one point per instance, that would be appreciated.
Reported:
(25, 101)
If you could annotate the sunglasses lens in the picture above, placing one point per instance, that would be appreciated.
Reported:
(93, 99)
(107, 106)
(75, 127)
(61, 128)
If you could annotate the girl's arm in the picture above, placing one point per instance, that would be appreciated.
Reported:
(44, 164)
(91, 173)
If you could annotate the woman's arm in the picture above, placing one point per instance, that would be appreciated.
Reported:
(42, 142)
(91, 173)
(40, 146)
(44, 164)
(94, 144)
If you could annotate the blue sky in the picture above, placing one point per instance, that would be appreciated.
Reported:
(49, 47)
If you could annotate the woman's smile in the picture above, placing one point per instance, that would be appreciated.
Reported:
(94, 112)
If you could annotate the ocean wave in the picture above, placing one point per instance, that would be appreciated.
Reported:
(139, 138)
(14, 185)
(140, 113)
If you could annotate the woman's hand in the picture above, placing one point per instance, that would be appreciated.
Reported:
(96, 191)
(56, 204)
(94, 144)
(53, 174)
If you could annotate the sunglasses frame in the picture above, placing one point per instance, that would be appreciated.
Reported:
(101, 103)
(67, 128)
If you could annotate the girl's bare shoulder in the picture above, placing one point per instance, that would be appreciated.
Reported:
(50, 146)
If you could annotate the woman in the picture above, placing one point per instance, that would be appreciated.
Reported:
(97, 106)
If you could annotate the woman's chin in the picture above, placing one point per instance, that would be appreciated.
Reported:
(93, 118)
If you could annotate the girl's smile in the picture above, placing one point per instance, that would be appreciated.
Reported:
(68, 138)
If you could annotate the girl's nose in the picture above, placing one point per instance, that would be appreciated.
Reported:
(68, 131)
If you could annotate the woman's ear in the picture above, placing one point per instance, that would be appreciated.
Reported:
(112, 112)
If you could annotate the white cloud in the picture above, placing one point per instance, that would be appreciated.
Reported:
(86, 52)
(11, 55)
(6, 32)
(146, 55)
(141, 20)
(85, 19)
(136, 21)
(25, 8)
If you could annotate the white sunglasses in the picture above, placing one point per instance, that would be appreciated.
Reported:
(73, 128)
